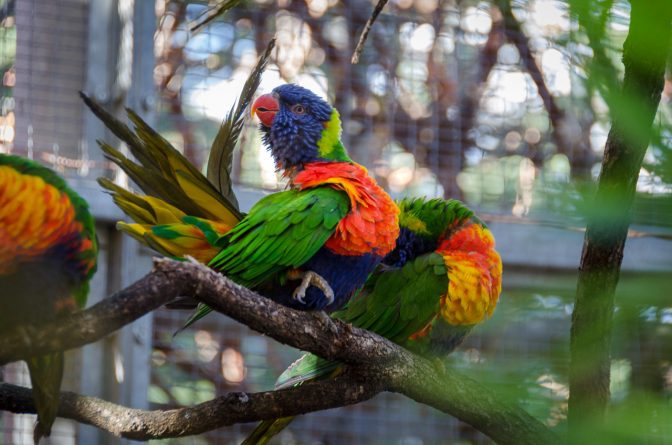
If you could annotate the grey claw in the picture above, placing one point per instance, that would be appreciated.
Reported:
(299, 298)
(329, 294)
(311, 278)
(300, 292)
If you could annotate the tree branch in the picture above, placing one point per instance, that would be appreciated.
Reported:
(365, 32)
(232, 408)
(81, 328)
(467, 400)
(170, 279)
(378, 363)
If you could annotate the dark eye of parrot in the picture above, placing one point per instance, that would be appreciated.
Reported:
(298, 109)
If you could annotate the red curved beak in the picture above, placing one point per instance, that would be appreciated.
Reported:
(265, 107)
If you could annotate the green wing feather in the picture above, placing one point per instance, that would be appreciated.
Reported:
(397, 303)
(432, 218)
(281, 232)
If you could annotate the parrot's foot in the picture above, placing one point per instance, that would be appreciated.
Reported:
(311, 278)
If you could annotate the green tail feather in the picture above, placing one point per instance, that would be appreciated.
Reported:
(46, 374)
(221, 152)
(201, 311)
(162, 172)
(307, 368)
(266, 430)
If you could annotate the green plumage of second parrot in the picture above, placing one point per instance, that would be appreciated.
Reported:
(443, 278)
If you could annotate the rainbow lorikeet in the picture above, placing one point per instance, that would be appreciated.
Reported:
(331, 228)
(309, 247)
(48, 251)
(442, 279)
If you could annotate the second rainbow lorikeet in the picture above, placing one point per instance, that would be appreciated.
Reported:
(442, 279)
(48, 251)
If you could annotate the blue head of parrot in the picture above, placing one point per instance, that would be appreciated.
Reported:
(293, 121)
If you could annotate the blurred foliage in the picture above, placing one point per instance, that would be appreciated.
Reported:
(505, 104)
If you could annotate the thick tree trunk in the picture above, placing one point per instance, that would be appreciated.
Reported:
(644, 56)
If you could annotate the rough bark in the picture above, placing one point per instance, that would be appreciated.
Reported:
(232, 408)
(377, 365)
(644, 56)
(169, 280)
(93, 324)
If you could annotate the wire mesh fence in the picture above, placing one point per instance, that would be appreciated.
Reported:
(449, 99)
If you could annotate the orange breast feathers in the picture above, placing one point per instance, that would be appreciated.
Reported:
(34, 216)
(474, 274)
(372, 225)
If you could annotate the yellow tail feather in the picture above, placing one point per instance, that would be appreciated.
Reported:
(205, 200)
(181, 212)
(175, 240)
